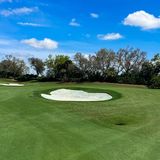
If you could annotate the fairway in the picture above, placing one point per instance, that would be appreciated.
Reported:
(124, 128)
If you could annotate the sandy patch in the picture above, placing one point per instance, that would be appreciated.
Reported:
(76, 95)
(12, 84)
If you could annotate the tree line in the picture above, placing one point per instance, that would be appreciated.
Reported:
(127, 65)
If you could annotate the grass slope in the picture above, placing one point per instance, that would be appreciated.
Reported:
(126, 128)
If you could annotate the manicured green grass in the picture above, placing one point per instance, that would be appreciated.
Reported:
(125, 128)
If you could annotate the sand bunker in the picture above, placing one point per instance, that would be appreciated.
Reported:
(76, 95)
(12, 84)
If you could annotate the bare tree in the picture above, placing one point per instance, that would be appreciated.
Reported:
(129, 59)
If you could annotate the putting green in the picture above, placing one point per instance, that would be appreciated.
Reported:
(125, 128)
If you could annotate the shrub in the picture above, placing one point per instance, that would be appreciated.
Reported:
(26, 77)
(46, 79)
(155, 82)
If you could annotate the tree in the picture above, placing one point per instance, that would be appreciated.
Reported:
(94, 67)
(156, 63)
(111, 75)
(12, 67)
(155, 82)
(49, 62)
(129, 59)
(147, 72)
(105, 60)
(62, 68)
(37, 64)
(61, 64)
(82, 62)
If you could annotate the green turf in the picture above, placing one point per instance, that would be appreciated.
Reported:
(125, 128)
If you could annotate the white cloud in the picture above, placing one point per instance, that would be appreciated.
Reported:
(110, 36)
(31, 24)
(9, 46)
(74, 23)
(1, 1)
(94, 15)
(142, 19)
(18, 11)
(43, 44)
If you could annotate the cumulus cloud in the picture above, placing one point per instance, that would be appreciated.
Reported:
(30, 24)
(142, 19)
(42, 44)
(74, 23)
(18, 11)
(110, 36)
(1, 1)
(94, 15)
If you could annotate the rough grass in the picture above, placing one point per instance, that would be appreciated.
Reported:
(125, 128)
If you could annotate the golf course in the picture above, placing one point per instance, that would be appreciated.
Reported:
(123, 128)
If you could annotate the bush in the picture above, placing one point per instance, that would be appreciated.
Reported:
(111, 75)
(46, 79)
(26, 77)
(155, 83)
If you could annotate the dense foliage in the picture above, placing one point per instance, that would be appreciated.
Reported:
(127, 65)
(12, 67)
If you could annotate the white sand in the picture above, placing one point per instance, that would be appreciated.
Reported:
(76, 95)
(12, 84)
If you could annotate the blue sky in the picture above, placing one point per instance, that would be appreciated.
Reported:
(39, 28)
